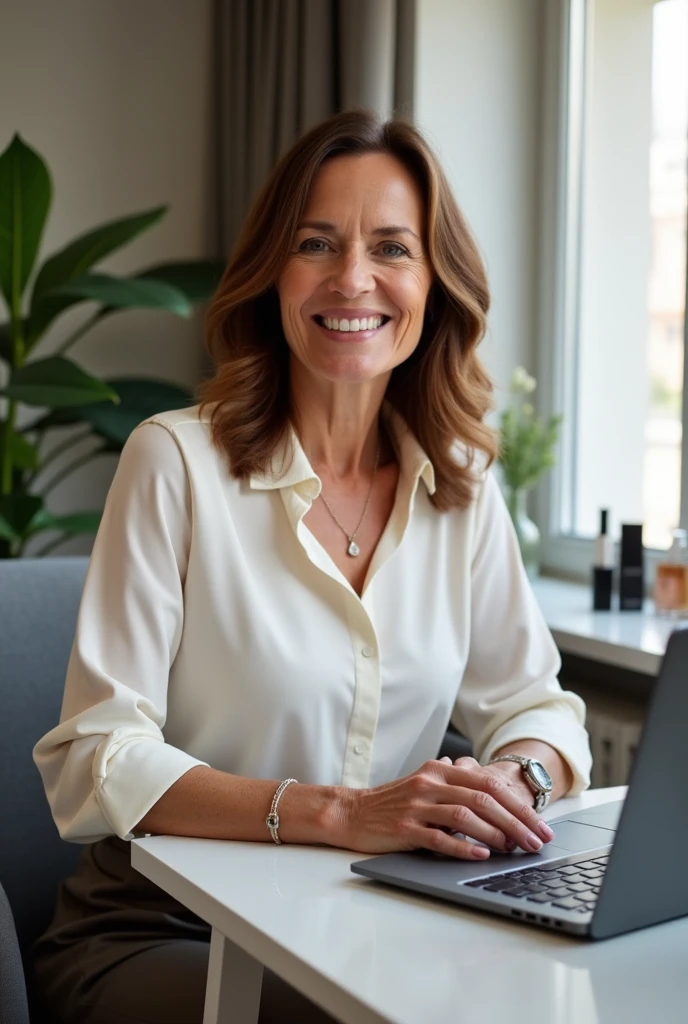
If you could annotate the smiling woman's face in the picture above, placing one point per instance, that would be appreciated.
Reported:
(353, 291)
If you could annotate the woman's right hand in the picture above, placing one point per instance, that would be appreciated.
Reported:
(424, 809)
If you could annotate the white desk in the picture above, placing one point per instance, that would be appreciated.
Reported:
(635, 640)
(371, 954)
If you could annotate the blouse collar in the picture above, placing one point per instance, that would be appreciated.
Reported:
(284, 472)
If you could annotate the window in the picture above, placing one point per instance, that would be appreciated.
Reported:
(618, 311)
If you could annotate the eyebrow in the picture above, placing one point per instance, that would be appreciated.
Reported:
(325, 225)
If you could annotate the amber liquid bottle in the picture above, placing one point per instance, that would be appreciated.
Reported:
(671, 580)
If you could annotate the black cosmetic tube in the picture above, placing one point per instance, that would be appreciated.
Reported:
(631, 570)
(602, 568)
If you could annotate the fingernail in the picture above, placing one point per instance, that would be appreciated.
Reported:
(545, 831)
(533, 843)
(510, 846)
(480, 852)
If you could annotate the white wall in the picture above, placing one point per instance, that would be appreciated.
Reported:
(478, 100)
(117, 98)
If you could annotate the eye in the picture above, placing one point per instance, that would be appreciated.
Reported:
(393, 249)
(314, 245)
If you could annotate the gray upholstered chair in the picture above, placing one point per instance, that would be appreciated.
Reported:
(39, 600)
(14, 1008)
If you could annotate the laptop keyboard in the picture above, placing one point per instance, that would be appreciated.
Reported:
(571, 887)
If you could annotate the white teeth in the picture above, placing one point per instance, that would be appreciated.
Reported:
(356, 324)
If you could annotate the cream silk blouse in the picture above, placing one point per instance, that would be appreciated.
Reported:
(215, 629)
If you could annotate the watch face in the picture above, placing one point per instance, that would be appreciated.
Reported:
(540, 775)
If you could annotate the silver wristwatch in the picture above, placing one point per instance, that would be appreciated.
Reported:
(536, 775)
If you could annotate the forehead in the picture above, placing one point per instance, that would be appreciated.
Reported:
(373, 186)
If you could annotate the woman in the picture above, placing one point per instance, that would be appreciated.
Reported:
(305, 578)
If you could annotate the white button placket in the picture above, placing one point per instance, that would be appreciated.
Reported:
(366, 707)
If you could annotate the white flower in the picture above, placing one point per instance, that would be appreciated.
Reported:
(522, 382)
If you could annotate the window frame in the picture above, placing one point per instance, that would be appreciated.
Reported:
(561, 159)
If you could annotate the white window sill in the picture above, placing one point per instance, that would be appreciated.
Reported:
(633, 640)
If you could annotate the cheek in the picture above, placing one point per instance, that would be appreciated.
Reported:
(411, 297)
(294, 288)
(296, 284)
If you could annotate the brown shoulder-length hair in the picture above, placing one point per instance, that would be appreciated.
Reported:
(441, 390)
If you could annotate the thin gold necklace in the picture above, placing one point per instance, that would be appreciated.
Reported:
(353, 548)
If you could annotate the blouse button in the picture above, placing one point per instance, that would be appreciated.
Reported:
(367, 652)
(359, 748)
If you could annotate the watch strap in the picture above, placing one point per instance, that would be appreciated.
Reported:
(541, 796)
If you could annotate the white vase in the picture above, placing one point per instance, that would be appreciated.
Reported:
(526, 530)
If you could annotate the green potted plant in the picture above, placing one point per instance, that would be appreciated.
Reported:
(61, 393)
(527, 445)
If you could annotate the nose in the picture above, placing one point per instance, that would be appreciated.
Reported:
(351, 275)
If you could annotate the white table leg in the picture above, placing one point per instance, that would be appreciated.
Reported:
(234, 983)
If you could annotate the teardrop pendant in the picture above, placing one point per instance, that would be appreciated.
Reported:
(353, 549)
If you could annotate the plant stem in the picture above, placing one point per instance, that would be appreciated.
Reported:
(59, 477)
(8, 431)
(78, 333)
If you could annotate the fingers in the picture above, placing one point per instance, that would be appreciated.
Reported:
(459, 808)
(475, 776)
(448, 845)
(460, 818)
(493, 801)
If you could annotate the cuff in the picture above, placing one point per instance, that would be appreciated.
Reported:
(130, 778)
(558, 726)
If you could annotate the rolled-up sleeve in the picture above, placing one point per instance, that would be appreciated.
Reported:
(107, 763)
(510, 690)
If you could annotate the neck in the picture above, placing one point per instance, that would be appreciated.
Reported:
(339, 425)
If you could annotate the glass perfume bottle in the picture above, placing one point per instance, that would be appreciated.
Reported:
(671, 580)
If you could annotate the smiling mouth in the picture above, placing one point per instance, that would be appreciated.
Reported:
(355, 325)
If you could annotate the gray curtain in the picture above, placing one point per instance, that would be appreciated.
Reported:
(284, 65)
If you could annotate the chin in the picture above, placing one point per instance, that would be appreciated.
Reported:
(351, 371)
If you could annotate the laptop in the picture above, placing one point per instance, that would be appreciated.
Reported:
(610, 869)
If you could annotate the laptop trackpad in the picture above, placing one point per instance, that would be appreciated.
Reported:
(574, 837)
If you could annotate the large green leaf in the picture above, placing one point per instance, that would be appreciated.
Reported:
(86, 250)
(24, 454)
(113, 292)
(139, 398)
(6, 531)
(56, 382)
(25, 195)
(127, 293)
(43, 314)
(72, 524)
(17, 511)
(197, 279)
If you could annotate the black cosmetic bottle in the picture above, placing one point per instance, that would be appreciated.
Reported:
(631, 569)
(602, 568)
